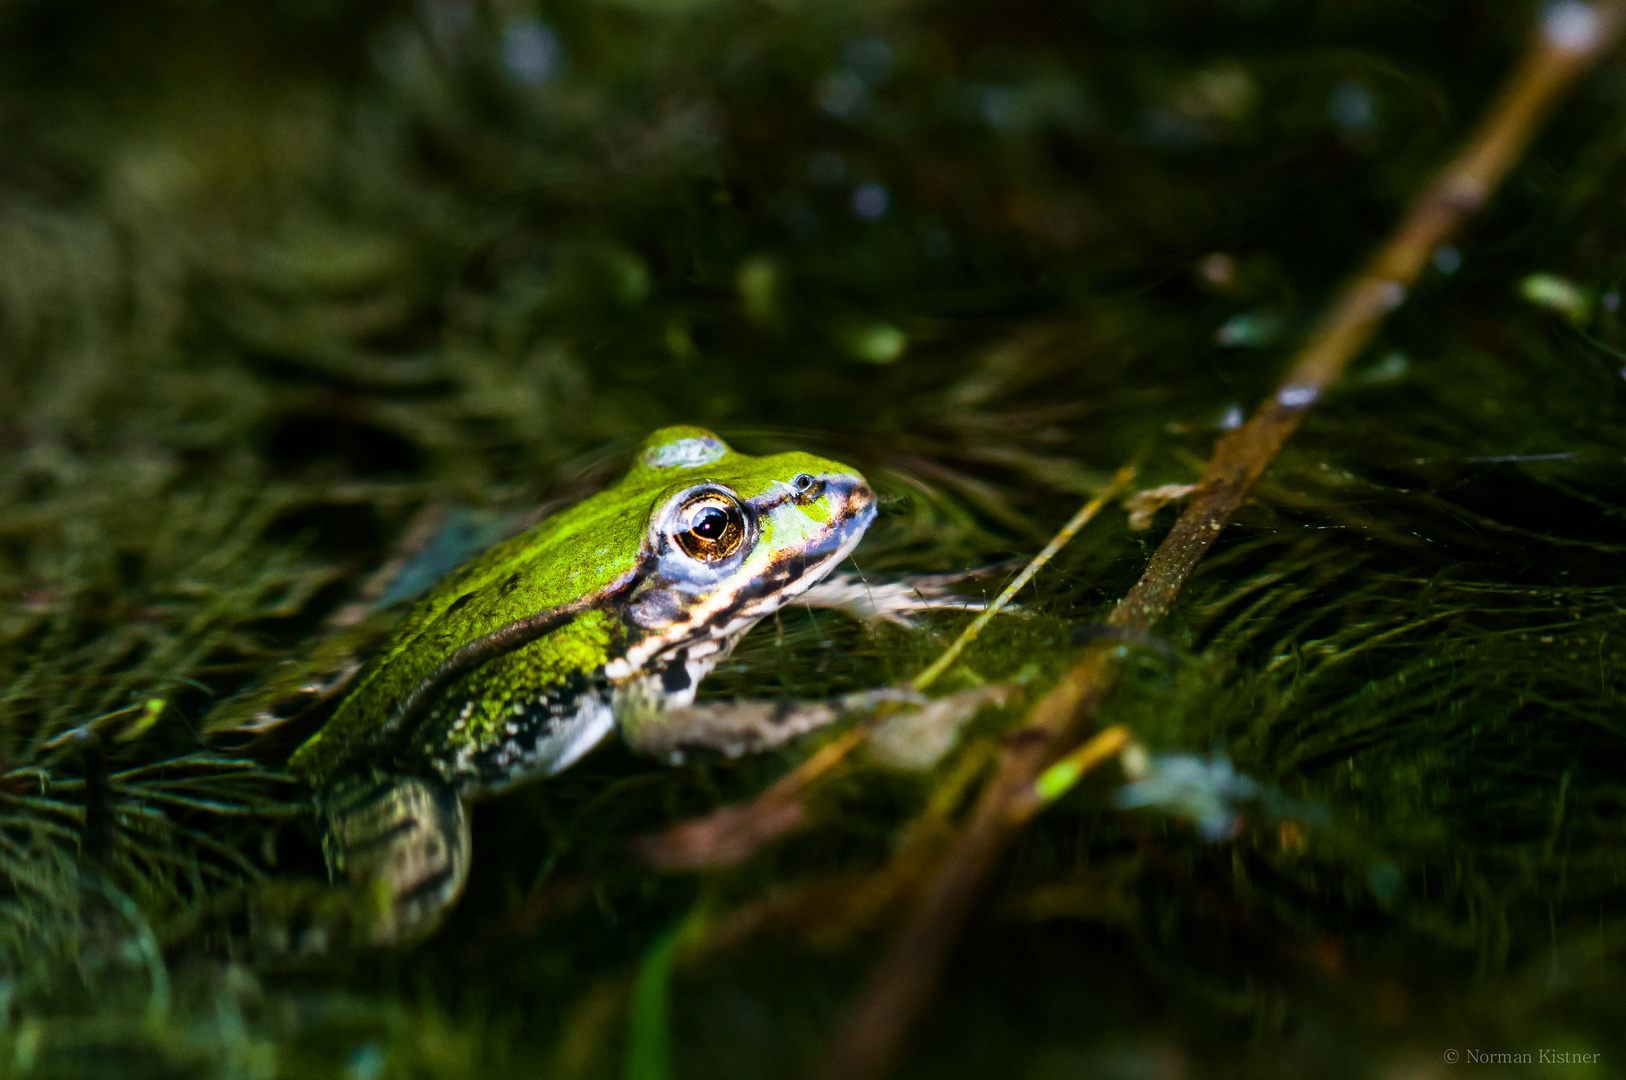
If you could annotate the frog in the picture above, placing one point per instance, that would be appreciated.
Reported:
(604, 617)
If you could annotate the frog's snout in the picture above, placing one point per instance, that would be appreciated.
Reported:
(852, 503)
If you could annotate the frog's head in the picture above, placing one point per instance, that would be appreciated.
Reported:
(733, 537)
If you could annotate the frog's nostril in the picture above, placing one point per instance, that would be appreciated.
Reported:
(805, 488)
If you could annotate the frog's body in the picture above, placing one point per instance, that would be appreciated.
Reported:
(606, 615)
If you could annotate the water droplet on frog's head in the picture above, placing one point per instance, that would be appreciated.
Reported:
(682, 448)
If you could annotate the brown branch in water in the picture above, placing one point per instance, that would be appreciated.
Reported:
(730, 835)
(1567, 43)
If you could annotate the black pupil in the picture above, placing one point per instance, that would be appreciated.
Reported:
(710, 523)
(803, 482)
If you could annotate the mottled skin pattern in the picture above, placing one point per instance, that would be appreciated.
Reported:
(606, 615)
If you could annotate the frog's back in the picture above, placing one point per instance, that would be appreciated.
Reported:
(577, 553)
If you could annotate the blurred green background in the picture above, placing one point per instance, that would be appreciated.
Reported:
(276, 278)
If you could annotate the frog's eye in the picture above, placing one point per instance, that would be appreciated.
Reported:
(709, 527)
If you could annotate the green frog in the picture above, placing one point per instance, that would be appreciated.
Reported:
(606, 616)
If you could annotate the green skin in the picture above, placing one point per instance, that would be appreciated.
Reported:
(605, 616)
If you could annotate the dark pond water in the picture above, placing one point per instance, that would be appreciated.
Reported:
(281, 283)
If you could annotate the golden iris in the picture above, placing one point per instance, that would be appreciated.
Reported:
(710, 527)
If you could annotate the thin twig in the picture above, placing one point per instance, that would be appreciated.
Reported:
(1059, 778)
(1570, 39)
(1057, 542)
